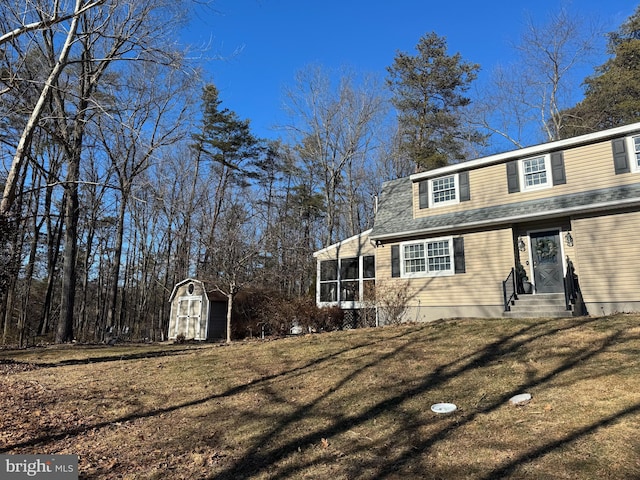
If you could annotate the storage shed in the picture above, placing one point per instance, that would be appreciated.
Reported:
(193, 314)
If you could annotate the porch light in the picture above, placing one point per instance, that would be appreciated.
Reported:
(521, 245)
(568, 239)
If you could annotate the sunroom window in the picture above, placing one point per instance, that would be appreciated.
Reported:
(347, 279)
(329, 281)
(368, 277)
(349, 285)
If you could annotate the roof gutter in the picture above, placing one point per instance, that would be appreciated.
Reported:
(528, 151)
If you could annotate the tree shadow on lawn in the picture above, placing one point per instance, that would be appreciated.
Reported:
(263, 456)
(101, 358)
(260, 459)
(52, 437)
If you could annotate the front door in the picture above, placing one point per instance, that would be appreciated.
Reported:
(547, 262)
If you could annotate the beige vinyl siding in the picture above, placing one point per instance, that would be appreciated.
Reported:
(588, 167)
(486, 267)
(607, 251)
(354, 247)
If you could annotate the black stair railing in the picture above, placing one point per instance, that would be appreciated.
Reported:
(509, 290)
(571, 287)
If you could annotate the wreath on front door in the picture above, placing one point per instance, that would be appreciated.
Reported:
(546, 249)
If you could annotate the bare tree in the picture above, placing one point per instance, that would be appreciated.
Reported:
(524, 101)
(334, 129)
(58, 63)
(124, 30)
(145, 117)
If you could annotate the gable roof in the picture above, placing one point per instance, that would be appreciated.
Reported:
(180, 284)
(358, 236)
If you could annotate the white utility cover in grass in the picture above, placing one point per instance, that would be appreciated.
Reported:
(443, 407)
(520, 398)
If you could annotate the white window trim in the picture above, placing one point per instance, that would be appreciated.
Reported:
(456, 186)
(361, 279)
(631, 153)
(547, 168)
(321, 282)
(427, 273)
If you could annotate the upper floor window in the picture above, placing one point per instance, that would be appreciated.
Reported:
(443, 190)
(535, 173)
(448, 190)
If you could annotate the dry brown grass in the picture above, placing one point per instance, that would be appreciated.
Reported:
(340, 405)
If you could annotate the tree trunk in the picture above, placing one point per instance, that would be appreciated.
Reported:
(115, 274)
(65, 325)
(230, 296)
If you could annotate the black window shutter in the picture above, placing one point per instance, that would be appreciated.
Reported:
(463, 182)
(557, 168)
(423, 193)
(395, 260)
(458, 255)
(513, 183)
(620, 161)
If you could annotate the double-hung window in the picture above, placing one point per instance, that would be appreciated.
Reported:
(536, 173)
(446, 190)
(443, 190)
(433, 257)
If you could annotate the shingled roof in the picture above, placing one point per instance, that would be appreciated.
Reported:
(394, 218)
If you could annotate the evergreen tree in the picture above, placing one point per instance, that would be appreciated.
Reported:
(429, 95)
(612, 96)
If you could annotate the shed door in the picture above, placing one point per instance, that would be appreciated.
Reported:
(189, 317)
(547, 262)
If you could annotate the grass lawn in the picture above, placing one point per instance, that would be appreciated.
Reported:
(340, 405)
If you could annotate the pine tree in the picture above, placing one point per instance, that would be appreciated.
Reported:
(428, 93)
(612, 96)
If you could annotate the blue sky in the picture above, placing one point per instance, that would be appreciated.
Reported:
(263, 43)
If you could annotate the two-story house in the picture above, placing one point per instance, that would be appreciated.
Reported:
(567, 211)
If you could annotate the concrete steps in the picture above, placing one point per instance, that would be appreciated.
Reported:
(538, 306)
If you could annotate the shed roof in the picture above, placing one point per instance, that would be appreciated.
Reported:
(184, 282)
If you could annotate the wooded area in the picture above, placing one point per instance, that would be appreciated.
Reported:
(124, 173)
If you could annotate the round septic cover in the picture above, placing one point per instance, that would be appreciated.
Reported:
(520, 398)
(443, 407)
